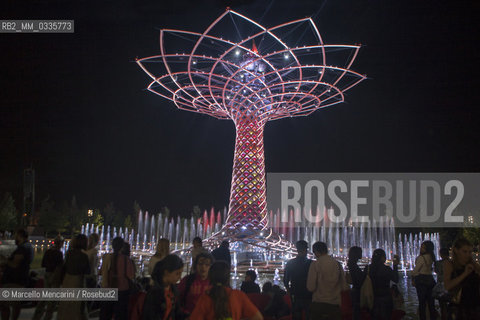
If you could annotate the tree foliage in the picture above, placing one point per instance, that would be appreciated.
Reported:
(109, 214)
(165, 212)
(197, 212)
(96, 219)
(8, 213)
(471, 231)
(136, 211)
(51, 220)
(128, 223)
(118, 219)
(472, 235)
(75, 216)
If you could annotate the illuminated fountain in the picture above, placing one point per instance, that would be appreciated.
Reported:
(339, 238)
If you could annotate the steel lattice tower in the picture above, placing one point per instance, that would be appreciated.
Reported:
(266, 75)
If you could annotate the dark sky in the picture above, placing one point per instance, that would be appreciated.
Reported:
(74, 105)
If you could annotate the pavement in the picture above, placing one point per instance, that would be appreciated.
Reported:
(27, 314)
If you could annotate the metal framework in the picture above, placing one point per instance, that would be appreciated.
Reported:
(229, 77)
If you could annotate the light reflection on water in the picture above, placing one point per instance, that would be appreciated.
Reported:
(409, 295)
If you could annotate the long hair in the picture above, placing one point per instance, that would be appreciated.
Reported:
(193, 274)
(117, 245)
(430, 249)
(154, 307)
(93, 240)
(378, 258)
(163, 248)
(126, 249)
(79, 242)
(170, 263)
(354, 254)
(198, 257)
(219, 275)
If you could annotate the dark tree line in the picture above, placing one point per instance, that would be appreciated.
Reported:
(9, 216)
(67, 217)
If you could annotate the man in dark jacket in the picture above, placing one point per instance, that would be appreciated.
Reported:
(295, 281)
(249, 285)
(222, 253)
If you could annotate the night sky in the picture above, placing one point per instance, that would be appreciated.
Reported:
(74, 106)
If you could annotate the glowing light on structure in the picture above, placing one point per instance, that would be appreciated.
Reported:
(269, 74)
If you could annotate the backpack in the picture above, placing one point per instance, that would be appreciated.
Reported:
(366, 292)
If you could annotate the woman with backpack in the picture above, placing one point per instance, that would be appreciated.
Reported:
(423, 280)
(222, 302)
(117, 272)
(161, 301)
(381, 276)
(461, 276)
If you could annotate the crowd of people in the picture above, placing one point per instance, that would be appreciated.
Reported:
(314, 289)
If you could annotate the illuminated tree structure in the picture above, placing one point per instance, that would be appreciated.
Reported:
(265, 75)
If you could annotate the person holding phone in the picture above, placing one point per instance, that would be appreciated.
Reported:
(461, 276)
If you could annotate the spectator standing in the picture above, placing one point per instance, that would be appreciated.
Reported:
(423, 280)
(162, 250)
(295, 281)
(381, 276)
(92, 254)
(134, 286)
(462, 279)
(441, 294)
(192, 286)
(267, 287)
(16, 273)
(197, 247)
(161, 302)
(439, 264)
(222, 302)
(249, 285)
(117, 271)
(52, 261)
(75, 269)
(276, 307)
(222, 253)
(127, 251)
(325, 280)
(357, 277)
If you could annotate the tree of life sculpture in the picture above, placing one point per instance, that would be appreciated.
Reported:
(268, 74)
